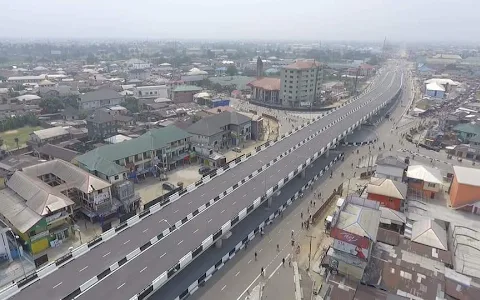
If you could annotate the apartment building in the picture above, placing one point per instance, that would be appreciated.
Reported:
(300, 84)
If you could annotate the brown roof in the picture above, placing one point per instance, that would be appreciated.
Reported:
(303, 64)
(266, 83)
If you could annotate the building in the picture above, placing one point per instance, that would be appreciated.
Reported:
(150, 92)
(184, 93)
(27, 79)
(135, 63)
(390, 167)
(387, 192)
(221, 130)
(424, 181)
(138, 74)
(435, 90)
(102, 124)
(354, 231)
(259, 68)
(266, 90)
(158, 148)
(100, 98)
(50, 152)
(466, 131)
(301, 84)
(50, 135)
(45, 85)
(465, 189)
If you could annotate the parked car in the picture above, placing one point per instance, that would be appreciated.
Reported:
(168, 186)
(236, 149)
(204, 170)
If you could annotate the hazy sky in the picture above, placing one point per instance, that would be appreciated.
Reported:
(400, 20)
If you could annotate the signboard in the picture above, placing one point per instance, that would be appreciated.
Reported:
(305, 104)
(350, 238)
(351, 249)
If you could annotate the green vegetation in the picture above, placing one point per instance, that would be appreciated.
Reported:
(22, 134)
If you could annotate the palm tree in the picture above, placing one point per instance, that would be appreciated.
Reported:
(16, 142)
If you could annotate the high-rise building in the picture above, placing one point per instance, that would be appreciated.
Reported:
(301, 83)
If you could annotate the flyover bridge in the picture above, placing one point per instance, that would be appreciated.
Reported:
(139, 256)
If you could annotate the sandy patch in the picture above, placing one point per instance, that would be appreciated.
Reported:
(11, 131)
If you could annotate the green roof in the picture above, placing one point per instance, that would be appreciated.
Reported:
(102, 159)
(187, 88)
(467, 128)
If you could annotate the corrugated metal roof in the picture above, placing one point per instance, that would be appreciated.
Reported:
(360, 220)
(39, 196)
(50, 132)
(430, 233)
(424, 173)
(70, 174)
(14, 209)
(387, 187)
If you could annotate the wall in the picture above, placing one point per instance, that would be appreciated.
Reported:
(461, 194)
(183, 97)
(389, 172)
(389, 202)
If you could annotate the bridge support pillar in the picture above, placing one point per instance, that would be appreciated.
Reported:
(327, 153)
(218, 243)
(302, 174)
(269, 201)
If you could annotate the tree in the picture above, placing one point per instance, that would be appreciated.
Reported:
(131, 104)
(16, 142)
(71, 101)
(51, 105)
(232, 70)
(91, 59)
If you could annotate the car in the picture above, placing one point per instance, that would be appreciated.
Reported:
(236, 149)
(168, 186)
(204, 170)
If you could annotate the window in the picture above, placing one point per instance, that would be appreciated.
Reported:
(116, 177)
(432, 185)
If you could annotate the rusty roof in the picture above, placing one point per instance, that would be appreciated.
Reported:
(303, 65)
(266, 83)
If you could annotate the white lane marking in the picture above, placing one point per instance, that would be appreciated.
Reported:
(57, 284)
(237, 273)
(190, 202)
(143, 269)
(244, 195)
(175, 211)
(254, 188)
(224, 181)
(249, 262)
(126, 242)
(202, 195)
(120, 286)
(222, 211)
(145, 230)
(83, 269)
(234, 202)
(180, 243)
(195, 230)
(163, 254)
(106, 254)
(276, 269)
(224, 287)
(260, 250)
(209, 221)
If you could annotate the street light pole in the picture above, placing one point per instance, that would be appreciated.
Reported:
(165, 222)
(310, 252)
(18, 250)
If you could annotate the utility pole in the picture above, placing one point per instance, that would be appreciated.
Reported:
(310, 251)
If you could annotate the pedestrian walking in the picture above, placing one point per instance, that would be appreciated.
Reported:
(283, 261)
(302, 224)
(262, 271)
(301, 215)
(256, 255)
(278, 248)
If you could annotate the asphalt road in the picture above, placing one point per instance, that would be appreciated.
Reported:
(136, 274)
(198, 267)
(177, 244)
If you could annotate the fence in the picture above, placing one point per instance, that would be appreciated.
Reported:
(336, 192)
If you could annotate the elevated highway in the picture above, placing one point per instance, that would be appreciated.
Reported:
(133, 260)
